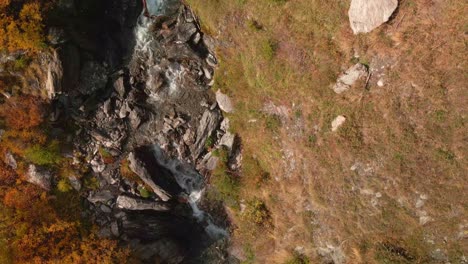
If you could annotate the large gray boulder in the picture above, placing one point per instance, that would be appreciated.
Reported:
(208, 124)
(366, 15)
(224, 102)
(135, 204)
(39, 176)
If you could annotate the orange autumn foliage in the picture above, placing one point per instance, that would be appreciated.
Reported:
(7, 175)
(23, 112)
(23, 30)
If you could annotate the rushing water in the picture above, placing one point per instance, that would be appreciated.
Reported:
(193, 184)
(162, 7)
(189, 179)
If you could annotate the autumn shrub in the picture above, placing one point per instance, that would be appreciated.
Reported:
(22, 112)
(7, 175)
(44, 155)
(257, 212)
(64, 185)
(21, 30)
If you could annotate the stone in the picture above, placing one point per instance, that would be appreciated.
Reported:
(119, 86)
(227, 140)
(10, 160)
(75, 182)
(380, 83)
(349, 78)
(138, 167)
(135, 204)
(332, 254)
(115, 228)
(337, 122)
(208, 123)
(224, 102)
(366, 15)
(102, 196)
(39, 176)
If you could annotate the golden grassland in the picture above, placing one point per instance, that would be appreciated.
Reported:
(297, 194)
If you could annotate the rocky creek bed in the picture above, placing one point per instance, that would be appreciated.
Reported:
(135, 81)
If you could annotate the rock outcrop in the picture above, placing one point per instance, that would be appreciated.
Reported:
(366, 15)
(39, 176)
(349, 78)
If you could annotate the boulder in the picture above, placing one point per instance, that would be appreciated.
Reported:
(138, 167)
(349, 78)
(224, 102)
(102, 196)
(208, 124)
(39, 176)
(135, 204)
(366, 15)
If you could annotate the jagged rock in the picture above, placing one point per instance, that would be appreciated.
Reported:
(136, 117)
(366, 15)
(135, 204)
(138, 167)
(208, 123)
(102, 196)
(186, 31)
(97, 164)
(39, 176)
(347, 79)
(119, 86)
(10, 160)
(53, 83)
(224, 102)
(96, 78)
(337, 122)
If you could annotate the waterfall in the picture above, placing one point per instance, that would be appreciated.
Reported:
(146, 50)
(193, 184)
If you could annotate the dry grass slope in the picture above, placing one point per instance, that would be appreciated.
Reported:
(390, 185)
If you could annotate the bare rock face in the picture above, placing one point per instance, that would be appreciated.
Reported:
(366, 15)
(54, 75)
(39, 177)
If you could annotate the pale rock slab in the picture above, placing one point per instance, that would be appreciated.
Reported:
(366, 15)
(337, 122)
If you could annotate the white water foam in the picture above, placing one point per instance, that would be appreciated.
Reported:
(192, 183)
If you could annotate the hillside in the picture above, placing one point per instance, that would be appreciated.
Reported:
(389, 185)
(233, 131)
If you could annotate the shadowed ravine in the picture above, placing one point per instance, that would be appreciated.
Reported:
(147, 114)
